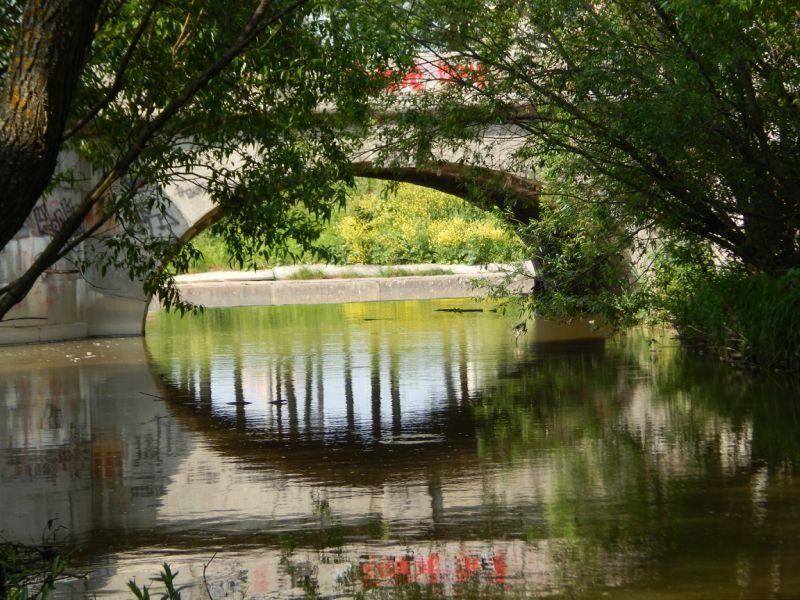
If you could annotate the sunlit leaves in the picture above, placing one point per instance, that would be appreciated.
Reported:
(271, 132)
(683, 113)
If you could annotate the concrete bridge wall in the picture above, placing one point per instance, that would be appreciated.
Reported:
(67, 303)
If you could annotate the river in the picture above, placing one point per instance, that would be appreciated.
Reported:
(397, 450)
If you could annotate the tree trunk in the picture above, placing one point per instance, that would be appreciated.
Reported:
(43, 73)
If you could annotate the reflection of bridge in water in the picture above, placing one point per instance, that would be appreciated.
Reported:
(323, 396)
(371, 461)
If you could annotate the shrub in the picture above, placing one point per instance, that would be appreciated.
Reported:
(389, 225)
(416, 224)
(356, 237)
(745, 317)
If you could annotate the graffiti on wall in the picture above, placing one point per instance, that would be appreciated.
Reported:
(159, 224)
(49, 216)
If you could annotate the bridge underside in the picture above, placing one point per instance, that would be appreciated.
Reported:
(483, 187)
(486, 188)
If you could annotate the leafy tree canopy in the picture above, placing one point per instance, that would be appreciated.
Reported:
(252, 101)
(669, 116)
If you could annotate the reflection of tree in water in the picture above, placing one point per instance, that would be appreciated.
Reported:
(614, 465)
(651, 448)
(656, 401)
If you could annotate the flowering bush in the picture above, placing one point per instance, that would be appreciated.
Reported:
(407, 224)
(416, 224)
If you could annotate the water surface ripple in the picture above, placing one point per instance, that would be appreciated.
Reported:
(393, 450)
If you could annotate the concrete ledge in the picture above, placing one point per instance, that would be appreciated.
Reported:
(291, 272)
(34, 334)
(333, 291)
(224, 276)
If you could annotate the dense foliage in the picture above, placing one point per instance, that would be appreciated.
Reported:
(386, 225)
(653, 124)
(224, 97)
(679, 115)
(746, 318)
(416, 225)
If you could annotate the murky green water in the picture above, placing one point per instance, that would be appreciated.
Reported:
(396, 451)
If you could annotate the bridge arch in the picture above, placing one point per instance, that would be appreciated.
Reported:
(96, 303)
(481, 186)
(485, 188)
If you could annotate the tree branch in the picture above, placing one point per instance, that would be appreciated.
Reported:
(119, 78)
(258, 22)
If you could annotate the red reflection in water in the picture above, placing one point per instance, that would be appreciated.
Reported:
(434, 568)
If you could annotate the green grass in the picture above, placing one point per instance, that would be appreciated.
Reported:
(307, 273)
(401, 272)
(311, 273)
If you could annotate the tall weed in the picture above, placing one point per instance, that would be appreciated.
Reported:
(748, 318)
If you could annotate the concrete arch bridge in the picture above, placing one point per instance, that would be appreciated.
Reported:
(68, 304)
